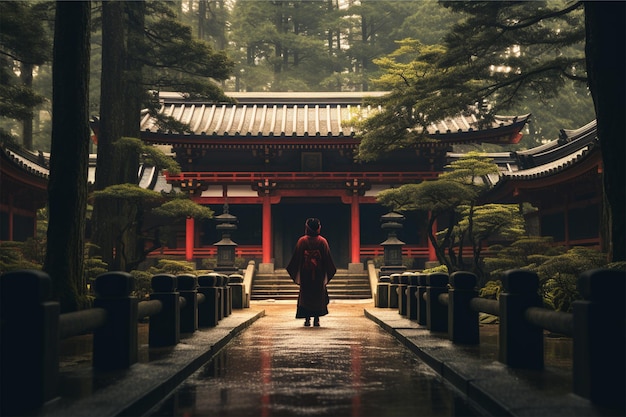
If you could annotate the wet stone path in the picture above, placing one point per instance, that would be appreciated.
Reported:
(348, 366)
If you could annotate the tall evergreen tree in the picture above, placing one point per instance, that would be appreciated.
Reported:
(499, 51)
(145, 48)
(24, 45)
(67, 187)
(605, 54)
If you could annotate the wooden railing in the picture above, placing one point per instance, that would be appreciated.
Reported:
(32, 326)
(256, 252)
(597, 324)
(291, 177)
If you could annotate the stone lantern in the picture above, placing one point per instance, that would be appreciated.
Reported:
(226, 223)
(392, 262)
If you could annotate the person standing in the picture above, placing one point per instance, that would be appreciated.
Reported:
(312, 267)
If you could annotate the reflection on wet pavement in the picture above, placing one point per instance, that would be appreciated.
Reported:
(347, 367)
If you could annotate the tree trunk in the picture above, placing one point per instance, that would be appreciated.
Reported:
(111, 124)
(129, 161)
(605, 51)
(26, 75)
(67, 187)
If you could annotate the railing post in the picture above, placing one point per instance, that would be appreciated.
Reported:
(422, 310)
(392, 302)
(165, 325)
(382, 291)
(521, 343)
(228, 296)
(599, 361)
(411, 301)
(462, 321)
(208, 311)
(188, 288)
(30, 323)
(219, 283)
(402, 284)
(235, 283)
(115, 345)
(436, 313)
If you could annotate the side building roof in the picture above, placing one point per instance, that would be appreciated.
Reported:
(575, 151)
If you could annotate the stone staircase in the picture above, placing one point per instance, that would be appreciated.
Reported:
(279, 286)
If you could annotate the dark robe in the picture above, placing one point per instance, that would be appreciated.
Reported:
(312, 267)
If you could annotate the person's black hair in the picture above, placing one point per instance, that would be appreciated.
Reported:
(312, 226)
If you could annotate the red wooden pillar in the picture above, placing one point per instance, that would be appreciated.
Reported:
(355, 232)
(267, 229)
(189, 238)
(432, 256)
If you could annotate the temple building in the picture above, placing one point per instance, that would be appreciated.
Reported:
(279, 158)
(562, 179)
(275, 159)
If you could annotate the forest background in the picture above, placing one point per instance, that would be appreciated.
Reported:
(294, 46)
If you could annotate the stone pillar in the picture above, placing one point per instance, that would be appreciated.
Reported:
(115, 345)
(235, 283)
(462, 320)
(599, 358)
(164, 327)
(521, 343)
(393, 290)
(411, 300)
(208, 312)
(29, 356)
(436, 313)
(188, 289)
(422, 310)
(402, 285)
(382, 291)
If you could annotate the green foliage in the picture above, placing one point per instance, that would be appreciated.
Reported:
(317, 45)
(526, 252)
(487, 57)
(24, 44)
(470, 170)
(438, 268)
(94, 265)
(152, 155)
(619, 266)
(491, 290)
(12, 257)
(130, 193)
(175, 60)
(453, 196)
(183, 207)
(557, 268)
(171, 266)
(492, 221)
(436, 196)
(143, 283)
(558, 275)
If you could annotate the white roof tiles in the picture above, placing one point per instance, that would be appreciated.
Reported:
(319, 114)
(260, 119)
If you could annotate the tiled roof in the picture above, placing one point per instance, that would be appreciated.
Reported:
(553, 157)
(32, 163)
(299, 115)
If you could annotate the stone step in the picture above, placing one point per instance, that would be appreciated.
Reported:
(280, 286)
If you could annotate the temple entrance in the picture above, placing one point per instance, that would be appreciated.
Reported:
(288, 225)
